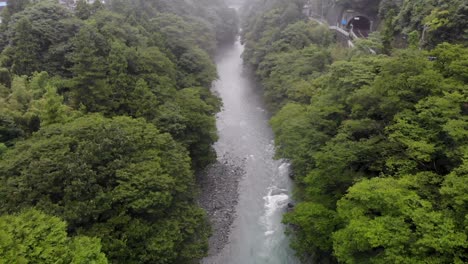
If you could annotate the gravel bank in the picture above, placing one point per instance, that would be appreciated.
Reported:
(219, 195)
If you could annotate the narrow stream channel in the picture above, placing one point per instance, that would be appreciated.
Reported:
(257, 235)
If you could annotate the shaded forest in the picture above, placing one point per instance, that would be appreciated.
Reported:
(105, 114)
(377, 142)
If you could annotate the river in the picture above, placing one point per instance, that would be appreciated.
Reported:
(257, 235)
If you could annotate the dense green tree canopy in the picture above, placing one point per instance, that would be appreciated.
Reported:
(378, 143)
(118, 179)
(105, 114)
(34, 237)
(387, 220)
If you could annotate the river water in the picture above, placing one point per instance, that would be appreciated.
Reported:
(257, 235)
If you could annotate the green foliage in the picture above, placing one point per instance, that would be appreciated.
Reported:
(17, 118)
(288, 74)
(451, 61)
(46, 39)
(31, 104)
(377, 143)
(190, 120)
(316, 223)
(25, 52)
(301, 34)
(289, 60)
(297, 137)
(117, 179)
(3, 148)
(371, 126)
(265, 28)
(414, 39)
(373, 44)
(5, 77)
(454, 193)
(112, 177)
(181, 34)
(33, 236)
(53, 110)
(390, 222)
(196, 69)
(441, 21)
(88, 86)
(13, 7)
(83, 9)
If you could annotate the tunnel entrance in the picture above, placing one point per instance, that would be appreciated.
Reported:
(361, 26)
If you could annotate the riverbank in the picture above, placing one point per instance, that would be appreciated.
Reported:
(219, 196)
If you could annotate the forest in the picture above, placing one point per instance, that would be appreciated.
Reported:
(105, 116)
(378, 142)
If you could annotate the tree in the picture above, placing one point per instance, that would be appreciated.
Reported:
(394, 224)
(83, 10)
(454, 194)
(377, 142)
(54, 111)
(96, 6)
(89, 86)
(3, 148)
(119, 179)
(316, 223)
(143, 102)
(189, 120)
(182, 34)
(116, 179)
(16, 6)
(51, 27)
(195, 69)
(296, 137)
(16, 119)
(301, 34)
(25, 50)
(440, 21)
(5, 77)
(451, 60)
(287, 75)
(13, 7)
(32, 236)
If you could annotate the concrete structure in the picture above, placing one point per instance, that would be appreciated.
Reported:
(349, 25)
(355, 17)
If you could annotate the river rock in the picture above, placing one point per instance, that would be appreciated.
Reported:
(219, 194)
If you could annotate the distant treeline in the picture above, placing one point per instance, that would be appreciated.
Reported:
(378, 143)
(105, 114)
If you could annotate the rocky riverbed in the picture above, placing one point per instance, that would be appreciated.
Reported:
(219, 195)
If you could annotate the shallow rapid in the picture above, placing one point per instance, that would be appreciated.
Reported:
(257, 234)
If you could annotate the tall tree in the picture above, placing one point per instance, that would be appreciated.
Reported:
(24, 49)
(83, 10)
(89, 86)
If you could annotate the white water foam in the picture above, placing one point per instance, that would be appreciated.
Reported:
(275, 200)
(284, 168)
